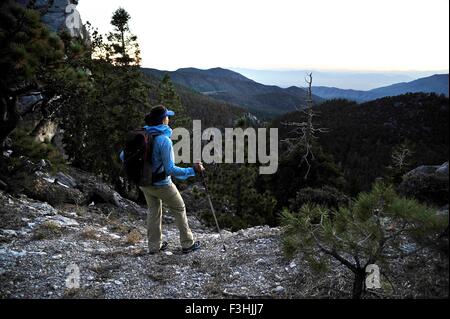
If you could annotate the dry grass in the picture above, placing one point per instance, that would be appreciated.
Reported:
(118, 227)
(47, 230)
(90, 233)
(133, 237)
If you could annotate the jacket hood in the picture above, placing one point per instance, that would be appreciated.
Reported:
(162, 129)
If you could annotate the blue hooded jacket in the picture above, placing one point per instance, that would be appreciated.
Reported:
(163, 154)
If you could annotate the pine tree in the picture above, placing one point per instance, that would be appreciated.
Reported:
(372, 230)
(123, 48)
(238, 202)
(289, 179)
(170, 99)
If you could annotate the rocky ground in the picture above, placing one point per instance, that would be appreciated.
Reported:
(42, 247)
(110, 252)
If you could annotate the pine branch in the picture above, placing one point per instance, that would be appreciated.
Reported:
(332, 252)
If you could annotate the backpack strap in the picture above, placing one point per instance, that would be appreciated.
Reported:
(156, 177)
(160, 166)
(146, 138)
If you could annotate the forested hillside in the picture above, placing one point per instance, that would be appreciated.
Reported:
(362, 137)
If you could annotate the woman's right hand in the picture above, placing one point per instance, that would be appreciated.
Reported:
(198, 168)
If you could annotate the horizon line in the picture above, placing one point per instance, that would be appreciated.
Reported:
(436, 71)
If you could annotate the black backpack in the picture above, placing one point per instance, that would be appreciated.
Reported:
(137, 162)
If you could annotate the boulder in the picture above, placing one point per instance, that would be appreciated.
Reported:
(428, 184)
(443, 169)
(429, 170)
(74, 187)
(54, 193)
(424, 169)
(66, 179)
(94, 190)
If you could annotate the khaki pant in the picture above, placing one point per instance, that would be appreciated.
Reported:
(172, 199)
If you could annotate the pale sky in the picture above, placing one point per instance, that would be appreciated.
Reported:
(358, 35)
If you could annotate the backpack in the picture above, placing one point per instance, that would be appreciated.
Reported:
(137, 162)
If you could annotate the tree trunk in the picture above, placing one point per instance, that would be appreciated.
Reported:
(358, 283)
(123, 44)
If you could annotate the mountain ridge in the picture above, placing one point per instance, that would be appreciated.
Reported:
(269, 101)
(343, 79)
(232, 87)
(211, 111)
(437, 83)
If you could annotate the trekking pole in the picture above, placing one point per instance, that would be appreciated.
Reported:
(213, 211)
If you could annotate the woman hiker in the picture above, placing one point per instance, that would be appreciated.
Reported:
(163, 189)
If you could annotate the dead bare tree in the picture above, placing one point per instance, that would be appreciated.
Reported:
(305, 132)
(401, 156)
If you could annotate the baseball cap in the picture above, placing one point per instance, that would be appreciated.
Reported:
(170, 113)
(158, 113)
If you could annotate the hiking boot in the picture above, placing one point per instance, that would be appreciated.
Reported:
(191, 249)
(164, 247)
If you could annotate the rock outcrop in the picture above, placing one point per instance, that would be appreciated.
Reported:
(427, 183)
(74, 187)
(45, 131)
(61, 15)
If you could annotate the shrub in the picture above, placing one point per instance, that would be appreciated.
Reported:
(236, 199)
(47, 230)
(90, 233)
(26, 145)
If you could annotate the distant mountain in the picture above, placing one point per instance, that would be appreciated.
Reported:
(437, 83)
(232, 87)
(341, 79)
(212, 112)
